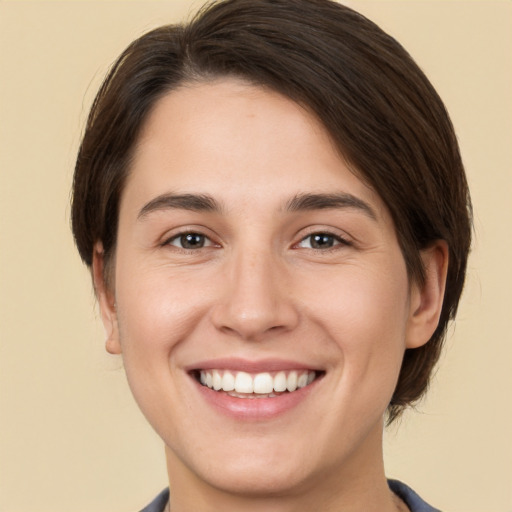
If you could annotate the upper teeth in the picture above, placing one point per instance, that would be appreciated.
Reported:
(260, 383)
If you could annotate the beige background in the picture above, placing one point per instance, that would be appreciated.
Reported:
(71, 438)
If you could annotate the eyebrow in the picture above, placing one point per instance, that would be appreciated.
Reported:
(305, 202)
(192, 202)
(300, 202)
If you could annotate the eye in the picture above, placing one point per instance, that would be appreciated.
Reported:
(319, 241)
(190, 241)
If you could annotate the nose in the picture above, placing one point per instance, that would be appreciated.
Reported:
(256, 299)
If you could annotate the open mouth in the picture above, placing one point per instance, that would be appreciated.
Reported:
(256, 385)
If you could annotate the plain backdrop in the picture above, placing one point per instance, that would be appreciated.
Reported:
(71, 437)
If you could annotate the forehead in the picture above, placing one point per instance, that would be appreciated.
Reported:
(235, 141)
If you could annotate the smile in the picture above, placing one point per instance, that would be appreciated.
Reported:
(259, 385)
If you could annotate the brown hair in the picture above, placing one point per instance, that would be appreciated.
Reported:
(380, 109)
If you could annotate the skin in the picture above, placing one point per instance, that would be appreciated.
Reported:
(259, 289)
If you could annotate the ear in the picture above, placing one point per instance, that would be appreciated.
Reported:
(427, 298)
(106, 299)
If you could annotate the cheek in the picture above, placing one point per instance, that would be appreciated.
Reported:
(365, 314)
(157, 313)
(367, 304)
(157, 309)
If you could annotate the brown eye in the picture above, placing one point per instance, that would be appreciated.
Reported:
(322, 241)
(190, 241)
(319, 241)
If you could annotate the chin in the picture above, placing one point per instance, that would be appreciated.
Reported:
(250, 467)
(256, 480)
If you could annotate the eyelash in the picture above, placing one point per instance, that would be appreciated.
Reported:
(336, 241)
(207, 242)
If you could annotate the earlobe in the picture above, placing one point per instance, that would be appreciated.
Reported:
(427, 299)
(106, 300)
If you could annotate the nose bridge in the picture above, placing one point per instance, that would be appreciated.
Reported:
(256, 299)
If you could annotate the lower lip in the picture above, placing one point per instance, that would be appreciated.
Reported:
(254, 409)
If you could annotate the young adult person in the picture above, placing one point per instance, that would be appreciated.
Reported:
(274, 209)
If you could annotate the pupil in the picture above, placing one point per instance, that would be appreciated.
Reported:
(322, 241)
(192, 241)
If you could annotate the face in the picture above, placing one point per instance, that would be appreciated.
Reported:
(261, 301)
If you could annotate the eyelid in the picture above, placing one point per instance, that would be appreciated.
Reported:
(208, 241)
(186, 230)
(343, 239)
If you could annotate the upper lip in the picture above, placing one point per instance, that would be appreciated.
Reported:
(250, 366)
